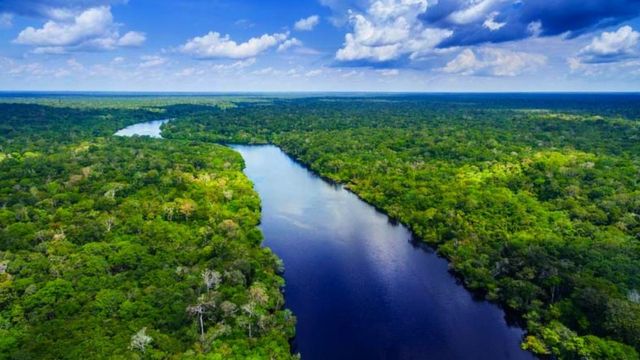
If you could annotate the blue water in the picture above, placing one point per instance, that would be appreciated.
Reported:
(361, 289)
(360, 286)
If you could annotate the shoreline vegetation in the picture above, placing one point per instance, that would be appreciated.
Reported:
(535, 209)
(130, 247)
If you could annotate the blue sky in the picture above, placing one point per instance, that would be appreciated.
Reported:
(320, 45)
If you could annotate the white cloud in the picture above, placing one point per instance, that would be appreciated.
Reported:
(609, 54)
(149, 61)
(534, 28)
(307, 24)
(389, 72)
(132, 38)
(289, 43)
(491, 23)
(60, 14)
(313, 73)
(237, 65)
(213, 46)
(34, 70)
(190, 71)
(91, 29)
(240, 64)
(623, 69)
(465, 63)
(265, 71)
(350, 74)
(93, 23)
(494, 62)
(611, 46)
(217, 68)
(49, 50)
(388, 30)
(476, 10)
(75, 65)
(6, 20)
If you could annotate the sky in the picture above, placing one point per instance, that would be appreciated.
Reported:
(320, 45)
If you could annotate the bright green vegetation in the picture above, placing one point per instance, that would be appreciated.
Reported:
(126, 248)
(538, 210)
(143, 248)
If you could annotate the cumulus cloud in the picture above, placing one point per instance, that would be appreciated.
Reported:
(389, 30)
(493, 62)
(215, 46)
(475, 22)
(611, 54)
(611, 46)
(307, 24)
(491, 23)
(92, 23)
(624, 69)
(289, 43)
(52, 9)
(473, 11)
(91, 29)
(132, 38)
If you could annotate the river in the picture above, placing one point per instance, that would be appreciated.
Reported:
(150, 128)
(360, 286)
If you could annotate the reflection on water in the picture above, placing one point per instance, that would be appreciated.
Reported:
(358, 286)
(151, 128)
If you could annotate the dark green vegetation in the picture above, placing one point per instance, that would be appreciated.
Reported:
(102, 237)
(129, 247)
(538, 210)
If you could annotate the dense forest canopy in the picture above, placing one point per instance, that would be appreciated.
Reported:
(534, 200)
(129, 247)
(149, 248)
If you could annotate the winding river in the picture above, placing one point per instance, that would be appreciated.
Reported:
(359, 285)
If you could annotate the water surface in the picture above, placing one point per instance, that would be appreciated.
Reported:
(151, 128)
(358, 284)
(361, 289)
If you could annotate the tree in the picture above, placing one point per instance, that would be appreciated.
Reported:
(199, 310)
(187, 207)
(250, 310)
(140, 340)
(211, 279)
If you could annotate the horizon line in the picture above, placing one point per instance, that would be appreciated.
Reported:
(243, 92)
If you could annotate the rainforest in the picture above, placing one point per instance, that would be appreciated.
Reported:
(138, 247)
